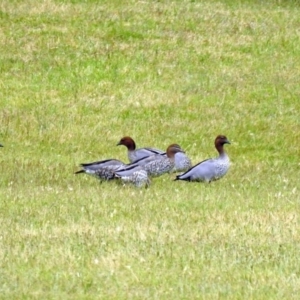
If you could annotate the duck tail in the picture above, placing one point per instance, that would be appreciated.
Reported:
(81, 171)
(177, 178)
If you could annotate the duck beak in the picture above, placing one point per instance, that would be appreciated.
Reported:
(227, 142)
(118, 144)
(1, 145)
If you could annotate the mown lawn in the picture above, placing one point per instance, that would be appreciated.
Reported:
(76, 76)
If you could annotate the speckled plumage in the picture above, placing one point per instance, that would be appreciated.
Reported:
(103, 170)
(164, 165)
(108, 163)
(210, 169)
(159, 167)
(137, 176)
(146, 160)
(136, 154)
(156, 165)
(104, 173)
(182, 162)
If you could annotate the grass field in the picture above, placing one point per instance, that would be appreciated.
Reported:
(76, 76)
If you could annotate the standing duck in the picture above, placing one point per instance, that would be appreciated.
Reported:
(211, 169)
(103, 169)
(136, 154)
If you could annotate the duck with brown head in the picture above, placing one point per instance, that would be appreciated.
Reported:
(136, 154)
(165, 165)
(210, 169)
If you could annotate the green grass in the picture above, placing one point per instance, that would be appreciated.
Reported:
(76, 76)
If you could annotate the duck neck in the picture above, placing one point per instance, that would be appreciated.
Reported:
(221, 150)
(131, 146)
(171, 156)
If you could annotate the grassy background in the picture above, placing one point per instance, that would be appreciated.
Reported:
(76, 76)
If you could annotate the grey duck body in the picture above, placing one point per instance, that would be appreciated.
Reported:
(182, 162)
(137, 154)
(155, 165)
(103, 170)
(136, 176)
(210, 169)
(109, 163)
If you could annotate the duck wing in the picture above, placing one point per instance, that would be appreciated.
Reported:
(102, 163)
(203, 171)
(145, 152)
